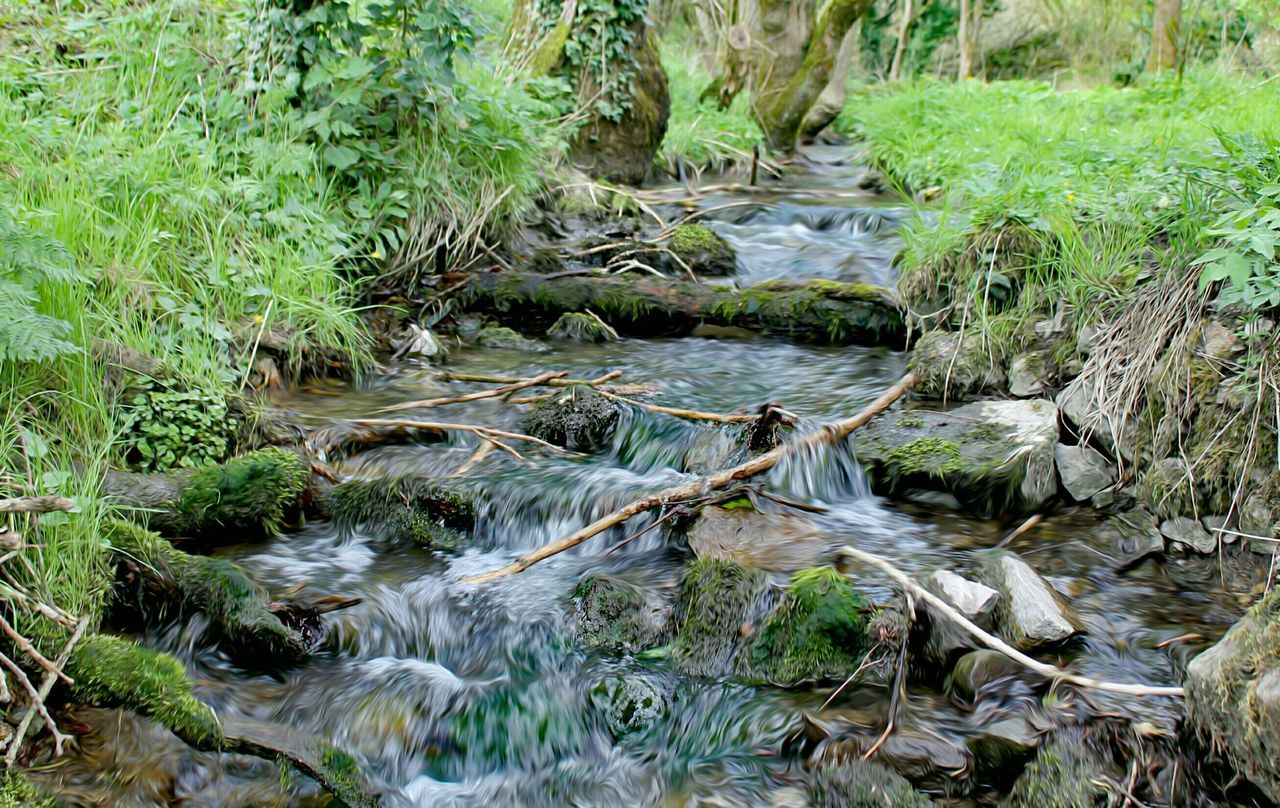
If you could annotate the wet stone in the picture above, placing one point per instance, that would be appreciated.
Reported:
(614, 616)
(702, 250)
(973, 600)
(1134, 534)
(630, 703)
(1031, 613)
(503, 338)
(1065, 774)
(1003, 746)
(1083, 471)
(781, 542)
(1189, 534)
(975, 671)
(857, 783)
(928, 761)
(579, 419)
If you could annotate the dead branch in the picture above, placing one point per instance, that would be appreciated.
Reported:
(37, 703)
(692, 415)
(15, 746)
(36, 504)
(997, 644)
(482, 432)
(496, 392)
(554, 382)
(700, 486)
(27, 648)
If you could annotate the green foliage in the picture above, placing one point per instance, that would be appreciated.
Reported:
(699, 133)
(1249, 228)
(597, 53)
(16, 791)
(29, 259)
(168, 426)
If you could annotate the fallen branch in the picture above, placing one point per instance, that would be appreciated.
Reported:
(15, 745)
(692, 415)
(36, 504)
(700, 486)
(482, 432)
(497, 392)
(37, 703)
(558, 381)
(995, 643)
(27, 648)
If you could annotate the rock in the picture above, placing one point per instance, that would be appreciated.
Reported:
(1260, 514)
(1188, 533)
(1219, 525)
(928, 761)
(1031, 613)
(857, 783)
(816, 633)
(776, 542)
(503, 338)
(1003, 746)
(630, 704)
(1134, 535)
(995, 456)
(614, 616)
(1080, 403)
(702, 250)
(1083, 471)
(579, 419)
(1233, 696)
(578, 327)
(952, 368)
(418, 342)
(712, 616)
(1064, 774)
(975, 671)
(974, 600)
(1026, 375)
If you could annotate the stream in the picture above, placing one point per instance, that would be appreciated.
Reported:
(479, 696)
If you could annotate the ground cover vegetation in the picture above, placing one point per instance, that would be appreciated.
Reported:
(201, 200)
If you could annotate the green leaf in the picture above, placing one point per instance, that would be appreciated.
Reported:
(341, 157)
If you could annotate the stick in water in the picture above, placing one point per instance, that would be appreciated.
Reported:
(699, 487)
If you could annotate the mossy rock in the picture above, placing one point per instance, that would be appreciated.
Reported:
(16, 791)
(994, 456)
(579, 419)
(716, 603)
(952, 367)
(417, 510)
(171, 579)
(817, 632)
(858, 783)
(1233, 696)
(112, 672)
(1064, 774)
(578, 327)
(545, 261)
(502, 338)
(817, 310)
(253, 490)
(613, 616)
(630, 703)
(702, 250)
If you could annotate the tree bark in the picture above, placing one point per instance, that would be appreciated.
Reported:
(832, 98)
(904, 36)
(1165, 30)
(965, 41)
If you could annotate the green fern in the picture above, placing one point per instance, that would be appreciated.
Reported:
(29, 259)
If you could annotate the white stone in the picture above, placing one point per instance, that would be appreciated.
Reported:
(970, 598)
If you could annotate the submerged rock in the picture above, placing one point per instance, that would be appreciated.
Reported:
(1135, 536)
(1083, 471)
(858, 783)
(579, 419)
(1003, 746)
(419, 510)
(991, 455)
(630, 703)
(702, 250)
(953, 368)
(1031, 613)
(975, 671)
(614, 616)
(782, 542)
(1065, 774)
(713, 613)
(1233, 696)
(503, 338)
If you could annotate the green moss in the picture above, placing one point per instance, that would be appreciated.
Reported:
(253, 491)
(702, 250)
(16, 791)
(857, 783)
(580, 327)
(415, 509)
(1063, 775)
(609, 616)
(933, 456)
(217, 587)
(817, 632)
(909, 420)
(713, 608)
(111, 672)
(501, 337)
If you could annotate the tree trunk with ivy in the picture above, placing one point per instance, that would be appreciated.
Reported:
(1165, 29)
(605, 51)
(785, 54)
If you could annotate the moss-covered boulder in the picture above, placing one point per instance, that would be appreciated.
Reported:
(576, 326)
(16, 791)
(817, 632)
(1065, 774)
(579, 419)
(502, 338)
(416, 510)
(713, 616)
(1233, 696)
(953, 367)
(702, 250)
(254, 492)
(994, 456)
(614, 616)
(859, 783)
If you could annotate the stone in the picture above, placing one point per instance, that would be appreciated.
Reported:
(1080, 403)
(775, 542)
(857, 783)
(1260, 514)
(702, 250)
(1233, 696)
(1026, 375)
(630, 704)
(993, 456)
(579, 419)
(974, 600)
(1003, 746)
(1219, 525)
(1031, 613)
(1065, 774)
(418, 342)
(614, 616)
(1134, 535)
(976, 670)
(1083, 471)
(1188, 533)
(950, 367)
(503, 338)
(928, 761)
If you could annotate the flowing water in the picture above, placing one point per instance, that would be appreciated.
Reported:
(478, 696)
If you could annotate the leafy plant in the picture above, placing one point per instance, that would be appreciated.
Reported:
(1249, 229)
(167, 426)
(29, 259)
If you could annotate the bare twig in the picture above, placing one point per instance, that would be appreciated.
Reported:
(15, 746)
(693, 415)
(37, 703)
(496, 392)
(27, 648)
(995, 643)
(700, 486)
(485, 432)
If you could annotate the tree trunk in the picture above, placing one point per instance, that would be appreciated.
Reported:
(1165, 30)
(965, 40)
(832, 99)
(904, 36)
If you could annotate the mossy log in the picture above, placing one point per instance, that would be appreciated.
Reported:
(155, 578)
(112, 672)
(254, 492)
(815, 310)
